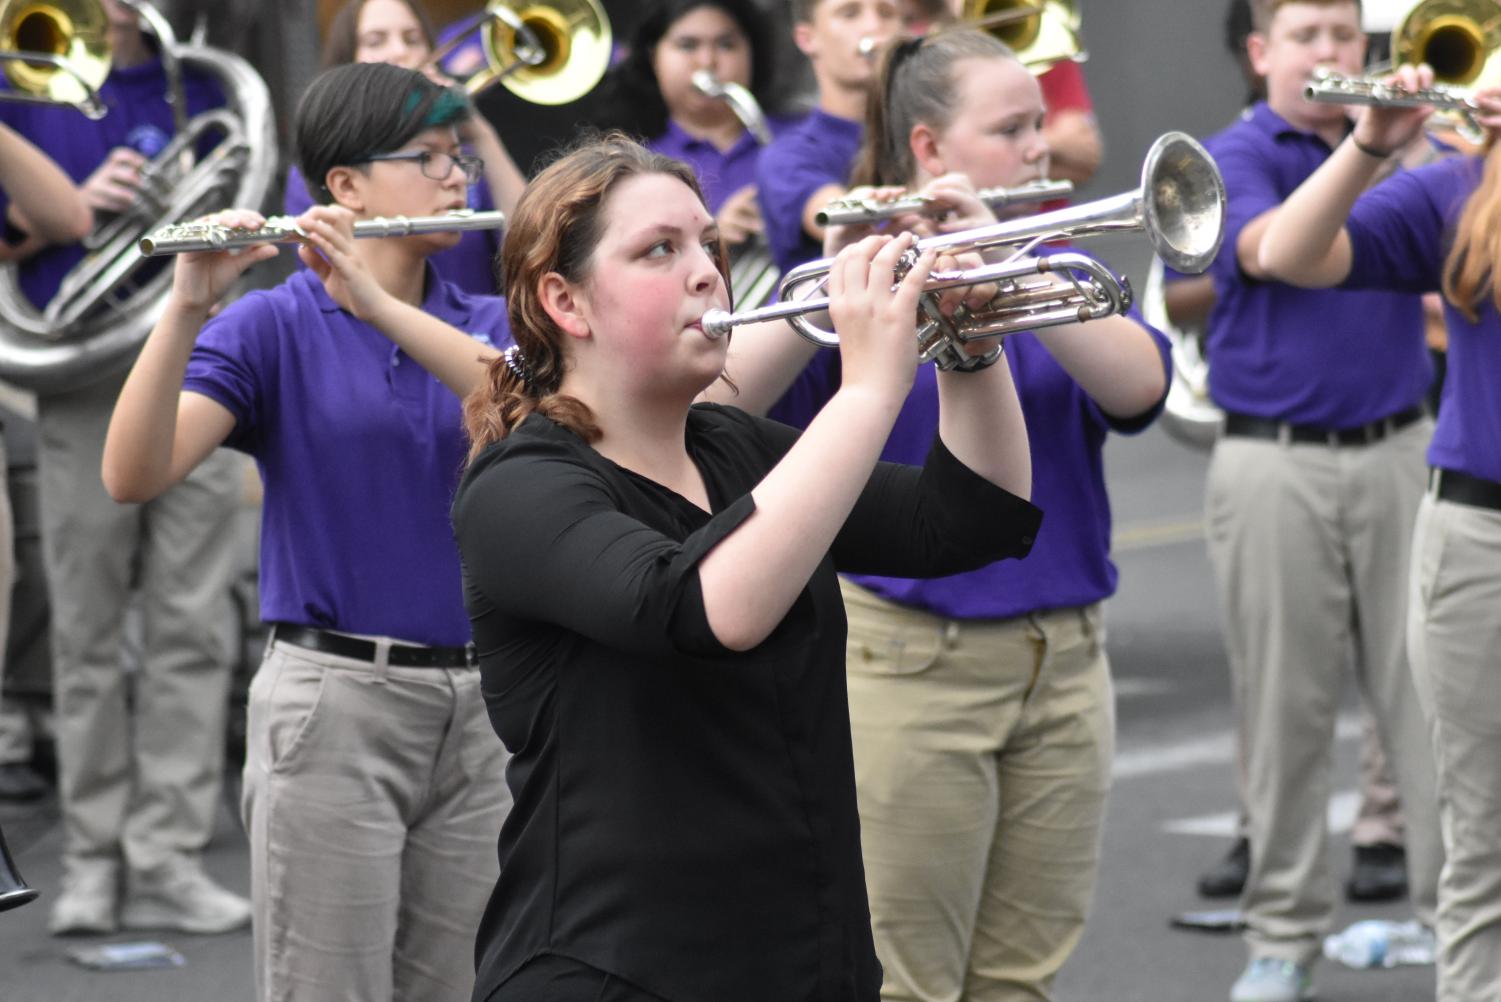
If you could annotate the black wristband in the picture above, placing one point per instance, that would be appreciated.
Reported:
(974, 363)
(1369, 151)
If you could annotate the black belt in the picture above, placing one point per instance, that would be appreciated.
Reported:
(401, 655)
(1461, 488)
(1245, 426)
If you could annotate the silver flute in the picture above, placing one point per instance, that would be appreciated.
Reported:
(1328, 87)
(185, 237)
(847, 211)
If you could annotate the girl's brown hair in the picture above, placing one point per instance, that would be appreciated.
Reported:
(1470, 269)
(555, 228)
(917, 84)
(343, 33)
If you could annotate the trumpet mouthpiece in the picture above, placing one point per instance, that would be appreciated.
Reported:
(717, 323)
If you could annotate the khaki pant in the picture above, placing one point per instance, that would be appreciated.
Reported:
(373, 798)
(1310, 550)
(1455, 645)
(140, 768)
(15, 725)
(982, 764)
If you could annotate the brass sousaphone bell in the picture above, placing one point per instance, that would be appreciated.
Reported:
(55, 52)
(544, 53)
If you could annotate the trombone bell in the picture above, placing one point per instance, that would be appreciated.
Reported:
(574, 40)
(1040, 32)
(71, 37)
(1460, 39)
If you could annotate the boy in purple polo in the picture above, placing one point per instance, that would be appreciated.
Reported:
(1312, 493)
(808, 166)
(1423, 231)
(139, 778)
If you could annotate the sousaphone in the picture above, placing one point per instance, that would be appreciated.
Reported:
(110, 300)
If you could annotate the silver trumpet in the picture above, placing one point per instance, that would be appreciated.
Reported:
(199, 236)
(849, 211)
(1329, 87)
(1180, 205)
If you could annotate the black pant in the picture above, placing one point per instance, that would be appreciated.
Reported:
(558, 979)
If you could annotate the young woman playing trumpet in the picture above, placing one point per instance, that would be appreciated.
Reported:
(669, 671)
(373, 784)
(981, 704)
(1426, 230)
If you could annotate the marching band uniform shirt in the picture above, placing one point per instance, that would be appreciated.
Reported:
(817, 151)
(360, 449)
(684, 814)
(720, 173)
(139, 117)
(1400, 233)
(1325, 357)
(1070, 564)
(468, 264)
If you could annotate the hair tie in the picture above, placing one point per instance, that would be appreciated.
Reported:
(516, 362)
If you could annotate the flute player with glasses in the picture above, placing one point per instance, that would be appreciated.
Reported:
(373, 782)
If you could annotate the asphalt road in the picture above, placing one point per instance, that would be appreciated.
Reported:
(1170, 816)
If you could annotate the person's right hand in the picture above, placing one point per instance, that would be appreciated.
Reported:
(876, 322)
(1390, 129)
(329, 253)
(114, 184)
(202, 278)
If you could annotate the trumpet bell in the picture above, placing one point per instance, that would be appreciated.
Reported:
(1040, 32)
(575, 40)
(1460, 39)
(74, 31)
(1183, 202)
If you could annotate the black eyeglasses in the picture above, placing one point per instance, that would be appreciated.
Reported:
(437, 166)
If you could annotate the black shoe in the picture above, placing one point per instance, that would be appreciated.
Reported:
(19, 781)
(1226, 878)
(1379, 873)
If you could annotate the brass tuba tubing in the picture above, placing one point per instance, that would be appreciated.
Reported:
(187, 237)
(852, 211)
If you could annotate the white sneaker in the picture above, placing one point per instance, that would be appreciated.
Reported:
(1271, 980)
(179, 895)
(86, 903)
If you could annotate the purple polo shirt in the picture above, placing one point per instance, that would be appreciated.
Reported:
(468, 264)
(1070, 564)
(816, 151)
(1326, 357)
(360, 449)
(721, 173)
(1401, 232)
(139, 117)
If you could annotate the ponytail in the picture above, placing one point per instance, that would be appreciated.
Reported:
(917, 84)
(1470, 269)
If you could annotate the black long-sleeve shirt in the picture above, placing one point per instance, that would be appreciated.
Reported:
(684, 814)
